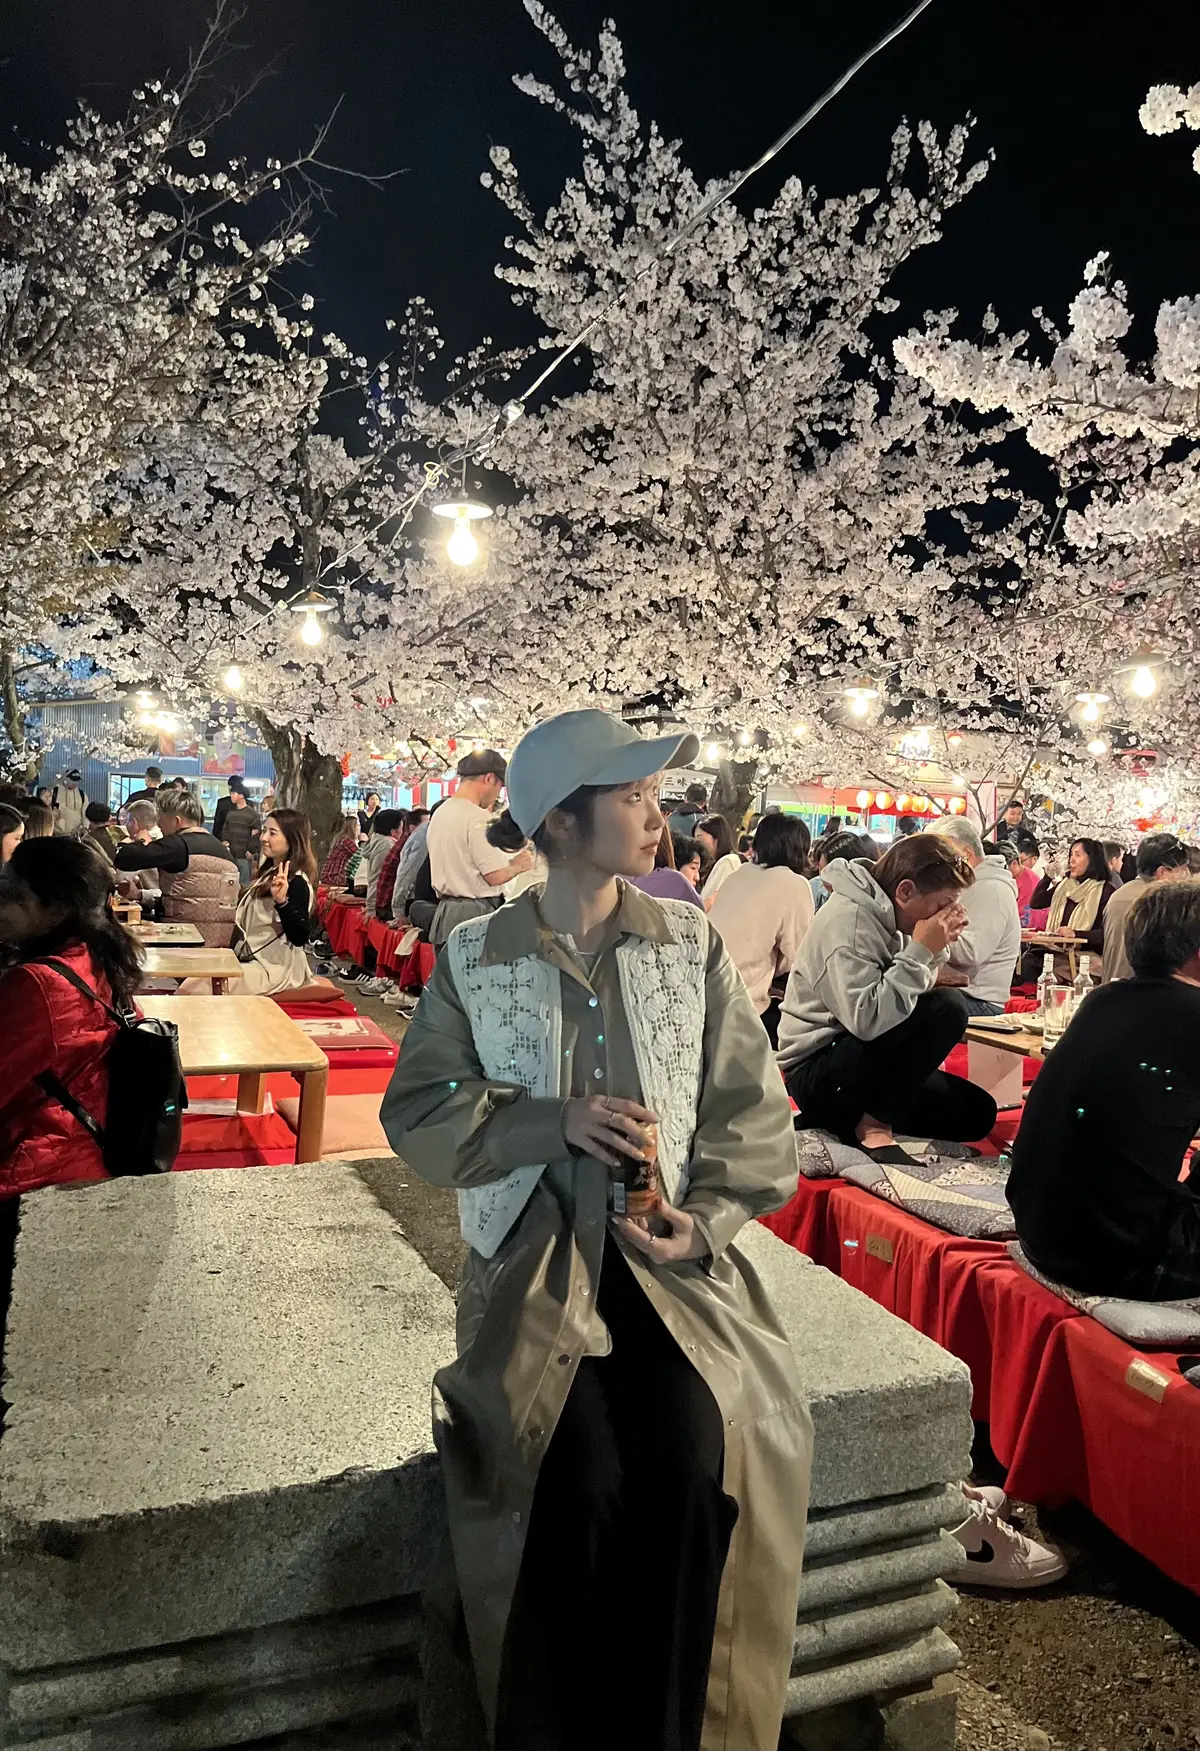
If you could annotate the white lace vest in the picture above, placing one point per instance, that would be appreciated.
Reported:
(515, 1011)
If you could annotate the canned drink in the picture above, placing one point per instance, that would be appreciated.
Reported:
(636, 1190)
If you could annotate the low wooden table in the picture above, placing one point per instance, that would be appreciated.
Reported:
(250, 1038)
(994, 1060)
(218, 964)
(167, 935)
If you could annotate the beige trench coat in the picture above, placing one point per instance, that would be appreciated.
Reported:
(528, 1315)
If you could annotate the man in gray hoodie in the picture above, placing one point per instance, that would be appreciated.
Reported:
(988, 950)
(863, 1029)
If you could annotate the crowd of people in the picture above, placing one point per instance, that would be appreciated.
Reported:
(620, 990)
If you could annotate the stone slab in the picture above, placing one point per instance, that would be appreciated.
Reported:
(185, 1669)
(891, 1409)
(874, 1573)
(832, 1531)
(834, 1634)
(226, 1422)
(906, 1667)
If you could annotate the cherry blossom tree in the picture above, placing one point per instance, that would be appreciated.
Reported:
(130, 264)
(745, 504)
(1118, 589)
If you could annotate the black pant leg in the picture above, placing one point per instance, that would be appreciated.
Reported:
(667, 1425)
(884, 1076)
(10, 1215)
(610, 1635)
(952, 1108)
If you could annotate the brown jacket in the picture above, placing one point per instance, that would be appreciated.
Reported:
(1115, 964)
(531, 1308)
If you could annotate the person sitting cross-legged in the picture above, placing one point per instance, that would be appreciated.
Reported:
(862, 1030)
(1095, 1187)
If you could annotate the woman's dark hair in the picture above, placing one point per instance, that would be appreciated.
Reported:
(746, 844)
(782, 842)
(1097, 869)
(68, 877)
(720, 832)
(505, 835)
(10, 819)
(296, 830)
(868, 847)
(686, 849)
(840, 845)
(926, 860)
(1162, 932)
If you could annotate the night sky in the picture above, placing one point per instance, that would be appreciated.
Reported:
(1055, 85)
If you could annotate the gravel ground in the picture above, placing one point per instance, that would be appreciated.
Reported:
(1108, 1660)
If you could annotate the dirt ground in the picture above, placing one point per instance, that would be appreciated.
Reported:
(1108, 1660)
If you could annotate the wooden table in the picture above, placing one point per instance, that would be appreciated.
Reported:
(167, 935)
(994, 1060)
(218, 964)
(251, 1038)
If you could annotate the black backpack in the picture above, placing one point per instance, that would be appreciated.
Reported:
(146, 1091)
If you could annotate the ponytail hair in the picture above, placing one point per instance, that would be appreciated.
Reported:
(505, 835)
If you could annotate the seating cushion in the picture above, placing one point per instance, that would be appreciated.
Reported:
(352, 1129)
(316, 991)
(1148, 1323)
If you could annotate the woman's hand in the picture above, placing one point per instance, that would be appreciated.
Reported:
(279, 883)
(683, 1240)
(606, 1127)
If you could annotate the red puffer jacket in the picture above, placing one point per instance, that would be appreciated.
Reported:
(46, 1024)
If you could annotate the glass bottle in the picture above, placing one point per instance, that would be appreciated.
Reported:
(1084, 982)
(1045, 981)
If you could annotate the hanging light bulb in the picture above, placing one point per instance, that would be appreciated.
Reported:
(1091, 703)
(1097, 746)
(712, 753)
(1144, 681)
(860, 699)
(233, 678)
(312, 606)
(145, 700)
(462, 548)
(799, 730)
(744, 739)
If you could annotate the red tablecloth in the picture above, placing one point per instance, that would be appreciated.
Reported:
(1066, 1416)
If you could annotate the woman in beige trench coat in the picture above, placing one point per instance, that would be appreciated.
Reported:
(623, 1438)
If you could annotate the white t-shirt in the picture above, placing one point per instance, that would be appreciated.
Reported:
(719, 874)
(762, 916)
(459, 853)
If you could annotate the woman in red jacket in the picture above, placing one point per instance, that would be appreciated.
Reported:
(54, 902)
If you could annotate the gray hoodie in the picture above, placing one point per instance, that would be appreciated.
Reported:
(988, 949)
(855, 972)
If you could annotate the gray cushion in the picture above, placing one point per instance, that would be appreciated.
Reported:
(1147, 1323)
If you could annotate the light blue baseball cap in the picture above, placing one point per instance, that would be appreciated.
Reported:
(584, 747)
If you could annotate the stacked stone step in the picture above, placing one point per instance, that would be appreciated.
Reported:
(219, 1500)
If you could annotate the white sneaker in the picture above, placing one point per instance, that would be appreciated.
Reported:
(990, 1493)
(1000, 1556)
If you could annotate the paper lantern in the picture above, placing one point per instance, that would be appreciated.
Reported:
(863, 799)
(883, 799)
(902, 802)
(958, 805)
(919, 805)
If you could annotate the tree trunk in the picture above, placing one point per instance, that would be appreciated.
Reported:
(20, 766)
(305, 779)
(733, 793)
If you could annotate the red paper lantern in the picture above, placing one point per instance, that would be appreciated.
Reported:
(958, 805)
